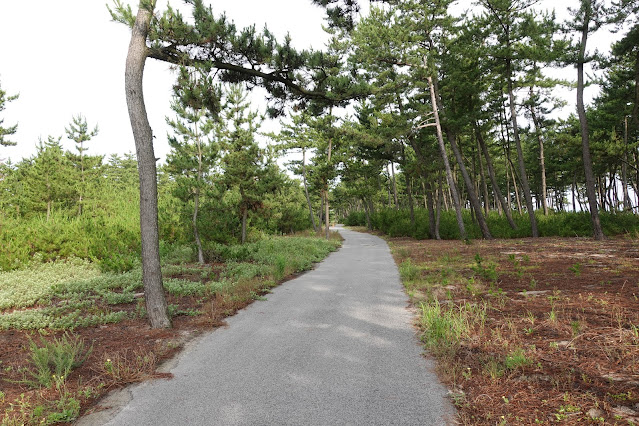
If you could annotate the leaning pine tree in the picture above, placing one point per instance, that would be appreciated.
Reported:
(215, 45)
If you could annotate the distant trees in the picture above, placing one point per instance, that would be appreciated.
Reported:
(7, 131)
(78, 131)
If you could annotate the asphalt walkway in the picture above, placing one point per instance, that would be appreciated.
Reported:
(334, 346)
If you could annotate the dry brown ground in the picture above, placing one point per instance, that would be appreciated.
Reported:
(560, 341)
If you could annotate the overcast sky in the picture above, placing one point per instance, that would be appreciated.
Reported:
(67, 57)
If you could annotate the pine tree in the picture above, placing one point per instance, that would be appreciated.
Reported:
(242, 160)
(193, 147)
(78, 131)
(586, 19)
(49, 178)
(6, 131)
(236, 56)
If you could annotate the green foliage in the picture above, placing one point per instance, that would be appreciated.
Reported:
(443, 328)
(10, 130)
(408, 270)
(53, 360)
(516, 359)
(487, 271)
(396, 223)
(25, 288)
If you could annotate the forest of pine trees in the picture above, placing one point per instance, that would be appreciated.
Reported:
(451, 131)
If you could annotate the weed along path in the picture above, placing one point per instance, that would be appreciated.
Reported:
(334, 346)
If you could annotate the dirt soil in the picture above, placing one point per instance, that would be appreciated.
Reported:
(566, 308)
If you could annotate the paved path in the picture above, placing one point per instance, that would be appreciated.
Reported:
(335, 346)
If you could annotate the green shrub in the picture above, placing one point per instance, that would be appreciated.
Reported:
(53, 361)
(396, 223)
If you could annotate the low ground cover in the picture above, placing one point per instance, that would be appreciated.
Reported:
(530, 331)
(71, 333)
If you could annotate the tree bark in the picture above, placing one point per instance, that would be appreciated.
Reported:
(449, 172)
(523, 178)
(493, 178)
(484, 184)
(517, 198)
(426, 186)
(151, 273)
(627, 205)
(196, 200)
(326, 206)
(244, 220)
(472, 195)
(394, 186)
(585, 138)
(308, 199)
(438, 207)
(542, 160)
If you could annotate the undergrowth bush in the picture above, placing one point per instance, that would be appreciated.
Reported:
(397, 223)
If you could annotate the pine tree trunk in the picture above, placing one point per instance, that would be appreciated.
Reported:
(196, 201)
(627, 205)
(472, 195)
(438, 207)
(368, 216)
(151, 273)
(394, 186)
(517, 198)
(308, 199)
(428, 190)
(388, 188)
(542, 160)
(493, 178)
(409, 190)
(523, 178)
(449, 172)
(244, 220)
(484, 184)
(585, 138)
(426, 186)
(196, 233)
(326, 206)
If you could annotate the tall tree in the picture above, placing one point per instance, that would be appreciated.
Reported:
(519, 39)
(10, 130)
(196, 103)
(215, 44)
(78, 131)
(242, 160)
(586, 20)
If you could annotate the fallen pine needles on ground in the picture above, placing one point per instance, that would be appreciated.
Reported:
(530, 331)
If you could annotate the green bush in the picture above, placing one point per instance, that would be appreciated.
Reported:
(396, 223)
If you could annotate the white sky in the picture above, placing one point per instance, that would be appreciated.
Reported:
(67, 57)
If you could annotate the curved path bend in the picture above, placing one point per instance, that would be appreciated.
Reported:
(334, 346)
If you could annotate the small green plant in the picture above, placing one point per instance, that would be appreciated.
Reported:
(576, 269)
(576, 327)
(53, 361)
(486, 271)
(517, 359)
(408, 270)
(493, 369)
